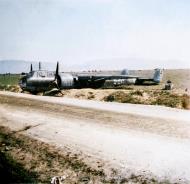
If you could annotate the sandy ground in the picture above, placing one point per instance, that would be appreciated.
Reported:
(150, 141)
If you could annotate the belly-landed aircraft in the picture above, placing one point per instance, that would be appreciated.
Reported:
(43, 80)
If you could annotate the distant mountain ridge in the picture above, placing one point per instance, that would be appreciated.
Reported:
(19, 66)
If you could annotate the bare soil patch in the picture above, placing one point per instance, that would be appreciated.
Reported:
(28, 160)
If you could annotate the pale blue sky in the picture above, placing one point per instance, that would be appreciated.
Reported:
(135, 33)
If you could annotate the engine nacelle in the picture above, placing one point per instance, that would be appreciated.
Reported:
(66, 81)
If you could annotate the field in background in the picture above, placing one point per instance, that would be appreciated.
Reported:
(9, 82)
(9, 79)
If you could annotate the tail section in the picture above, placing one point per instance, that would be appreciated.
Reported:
(158, 75)
(125, 72)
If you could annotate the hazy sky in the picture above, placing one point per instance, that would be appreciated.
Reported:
(141, 33)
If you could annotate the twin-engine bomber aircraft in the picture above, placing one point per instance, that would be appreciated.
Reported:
(43, 80)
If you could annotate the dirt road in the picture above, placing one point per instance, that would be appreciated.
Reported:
(134, 140)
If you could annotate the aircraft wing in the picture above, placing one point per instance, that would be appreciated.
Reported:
(105, 77)
(157, 77)
(99, 78)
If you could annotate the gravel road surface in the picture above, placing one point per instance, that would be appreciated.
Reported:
(150, 141)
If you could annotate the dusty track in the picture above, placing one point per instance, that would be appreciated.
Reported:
(146, 141)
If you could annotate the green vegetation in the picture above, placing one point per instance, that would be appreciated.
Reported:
(9, 82)
(9, 79)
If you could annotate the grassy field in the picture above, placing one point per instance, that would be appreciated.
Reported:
(9, 79)
(9, 82)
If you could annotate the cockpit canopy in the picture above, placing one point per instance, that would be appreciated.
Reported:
(41, 74)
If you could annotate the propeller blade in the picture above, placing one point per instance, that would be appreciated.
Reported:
(31, 68)
(57, 70)
(39, 65)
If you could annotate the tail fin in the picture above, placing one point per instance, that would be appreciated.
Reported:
(125, 72)
(158, 75)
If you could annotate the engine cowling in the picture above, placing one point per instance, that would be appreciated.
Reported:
(66, 81)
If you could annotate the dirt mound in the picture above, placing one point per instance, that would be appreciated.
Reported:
(174, 98)
(12, 88)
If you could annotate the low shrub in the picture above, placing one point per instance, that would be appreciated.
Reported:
(172, 100)
(137, 92)
(122, 97)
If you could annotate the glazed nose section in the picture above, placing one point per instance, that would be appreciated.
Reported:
(158, 75)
